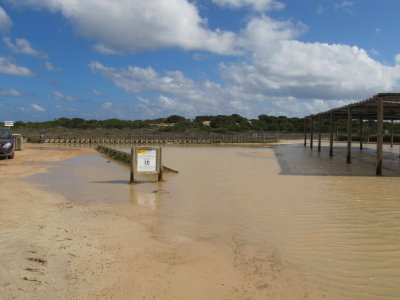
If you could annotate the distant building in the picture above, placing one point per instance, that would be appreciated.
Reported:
(206, 123)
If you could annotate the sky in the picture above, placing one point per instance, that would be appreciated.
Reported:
(146, 59)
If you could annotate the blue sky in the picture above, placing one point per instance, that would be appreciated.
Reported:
(144, 59)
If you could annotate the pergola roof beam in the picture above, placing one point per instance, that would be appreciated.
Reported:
(368, 108)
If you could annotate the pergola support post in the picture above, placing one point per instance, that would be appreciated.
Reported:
(349, 134)
(379, 137)
(331, 134)
(391, 134)
(361, 134)
(319, 133)
(305, 131)
(312, 133)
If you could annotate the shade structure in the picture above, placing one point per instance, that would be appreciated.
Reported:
(382, 106)
(367, 109)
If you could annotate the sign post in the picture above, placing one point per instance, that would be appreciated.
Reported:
(146, 161)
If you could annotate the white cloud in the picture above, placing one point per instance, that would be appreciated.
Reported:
(97, 93)
(345, 6)
(289, 78)
(282, 65)
(135, 25)
(279, 67)
(5, 21)
(200, 56)
(49, 67)
(62, 97)
(38, 108)
(176, 92)
(22, 46)
(263, 34)
(11, 93)
(397, 59)
(104, 49)
(143, 100)
(9, 68)
(258, 5)
(168, 103)
(107, 105)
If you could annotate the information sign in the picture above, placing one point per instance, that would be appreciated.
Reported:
(146, 160)
(146, 163)
(8, 123)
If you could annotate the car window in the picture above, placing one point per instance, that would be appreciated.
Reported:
(5, 134)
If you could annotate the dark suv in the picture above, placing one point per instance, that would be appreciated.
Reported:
(6, 143)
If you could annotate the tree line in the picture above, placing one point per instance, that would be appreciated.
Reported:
(175, 123)
(223, 124)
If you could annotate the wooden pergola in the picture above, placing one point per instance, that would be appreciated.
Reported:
(383, 106)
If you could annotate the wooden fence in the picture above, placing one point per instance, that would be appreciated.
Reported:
(154, 139)
(115, 154)
(126, 157)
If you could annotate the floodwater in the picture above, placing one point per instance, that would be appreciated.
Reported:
(298, 222)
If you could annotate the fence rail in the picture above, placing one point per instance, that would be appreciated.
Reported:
(126, 157)
(153, 139)
(115, 154)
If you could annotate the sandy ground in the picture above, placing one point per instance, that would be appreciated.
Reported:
(51, 248)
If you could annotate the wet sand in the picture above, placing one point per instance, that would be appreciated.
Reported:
(54, 248)
(235, 223)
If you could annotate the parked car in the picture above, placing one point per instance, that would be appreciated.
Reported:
(6, 143)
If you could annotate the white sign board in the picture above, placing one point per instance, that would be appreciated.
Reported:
(8, 123)
(146, 160)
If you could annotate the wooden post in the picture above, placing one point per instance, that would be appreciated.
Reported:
(132, 179)
(379, 137)
(160, 166)
(312, 133)
(331, 135)
(319, 133)
(391, 134)
(361, 134)
(305, 131)
(349, 134)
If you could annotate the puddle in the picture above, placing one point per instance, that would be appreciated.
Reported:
(326, 227)
(92, 178)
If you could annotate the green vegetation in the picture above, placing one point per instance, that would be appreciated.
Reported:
(206, 124)
(79, 123)
(221, 124)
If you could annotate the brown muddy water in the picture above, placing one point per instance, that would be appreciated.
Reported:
(293, 217)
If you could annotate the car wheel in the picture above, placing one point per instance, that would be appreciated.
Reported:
(11, 156)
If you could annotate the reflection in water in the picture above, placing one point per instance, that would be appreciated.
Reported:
(146, 194)
(93, 178)
(147, 199)
(298, 160)
(334, 236)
